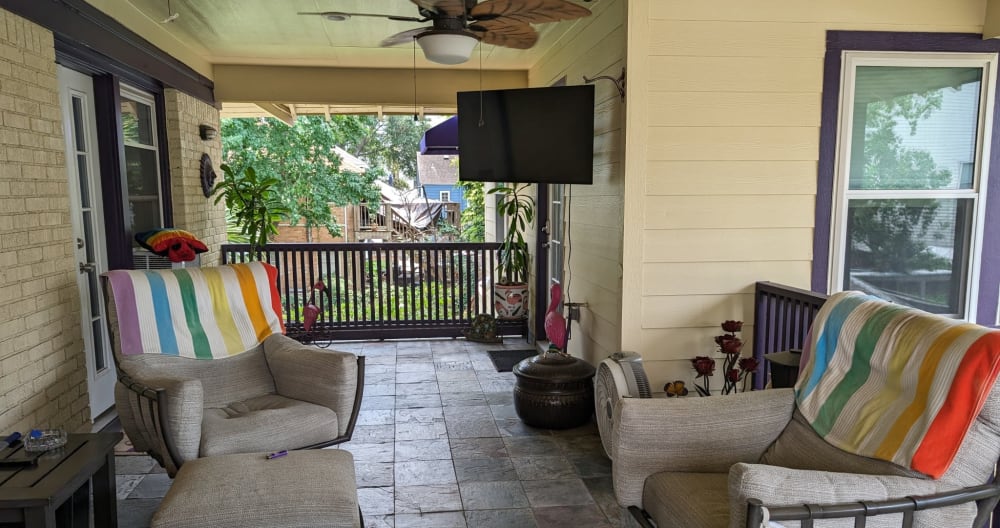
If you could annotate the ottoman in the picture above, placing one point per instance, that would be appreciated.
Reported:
(303, 489)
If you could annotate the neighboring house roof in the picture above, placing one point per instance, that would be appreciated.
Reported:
(349, 162)
(437, 170)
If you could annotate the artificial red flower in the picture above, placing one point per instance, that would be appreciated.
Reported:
(733, 375)
(320, 286)
(732, 326)
(729, 344)
(703, 365)
(749, 364)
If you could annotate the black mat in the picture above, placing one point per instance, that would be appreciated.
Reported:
(504, 360)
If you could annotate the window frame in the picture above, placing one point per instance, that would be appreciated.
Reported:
(987, 285)
(444, 196)
(149, 99)
(851, 61)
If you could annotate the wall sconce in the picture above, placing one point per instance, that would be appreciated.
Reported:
(207, 132)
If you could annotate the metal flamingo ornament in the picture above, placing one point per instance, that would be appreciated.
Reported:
(555, 323)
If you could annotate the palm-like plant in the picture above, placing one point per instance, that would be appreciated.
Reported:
(519, 209)
(253, 203)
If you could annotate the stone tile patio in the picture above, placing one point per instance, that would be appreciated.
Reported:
(438, 445)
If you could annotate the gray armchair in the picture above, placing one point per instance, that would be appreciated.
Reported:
(205, 371)
(746, 459)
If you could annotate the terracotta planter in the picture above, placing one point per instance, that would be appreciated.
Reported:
(510, 300)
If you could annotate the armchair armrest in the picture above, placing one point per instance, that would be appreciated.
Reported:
(329, 378)
(163, 413)
(692, 435)
(776, 487)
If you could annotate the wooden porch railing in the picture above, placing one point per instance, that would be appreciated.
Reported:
(782, 316)
(383, 291)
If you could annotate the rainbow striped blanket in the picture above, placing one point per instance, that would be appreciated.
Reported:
(201, 313)
(894, 383)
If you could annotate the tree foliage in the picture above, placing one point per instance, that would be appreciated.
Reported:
(474, 215)
(390, 145)
(895, 231)
(302, 159)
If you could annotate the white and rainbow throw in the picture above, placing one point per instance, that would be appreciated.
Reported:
(894, 383)
(202, 313)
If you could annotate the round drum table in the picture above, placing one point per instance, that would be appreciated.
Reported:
(554, 391)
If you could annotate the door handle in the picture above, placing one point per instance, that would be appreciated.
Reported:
(87, 267)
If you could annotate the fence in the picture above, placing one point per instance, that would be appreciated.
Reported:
(383, 291)
(782, 316)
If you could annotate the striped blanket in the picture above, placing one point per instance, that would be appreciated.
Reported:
(894, 383)
(202, 313)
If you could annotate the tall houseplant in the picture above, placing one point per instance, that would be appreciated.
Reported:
(511, 291)
(252, 203)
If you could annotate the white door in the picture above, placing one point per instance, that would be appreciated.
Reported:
(76, 92)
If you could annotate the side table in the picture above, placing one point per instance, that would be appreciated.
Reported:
(55, 492)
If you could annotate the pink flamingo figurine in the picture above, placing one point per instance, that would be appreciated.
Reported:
(555, 323)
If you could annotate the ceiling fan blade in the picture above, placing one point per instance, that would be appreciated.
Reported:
(402, 37)
(528, 11)
(505, 33)
(446, 7)
(374, 15)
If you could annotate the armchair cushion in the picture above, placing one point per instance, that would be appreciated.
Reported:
(323, 377)
(265, 423)
(683, 500)
(777, 486)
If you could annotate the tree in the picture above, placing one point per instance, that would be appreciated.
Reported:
(894, 231)
(389, 145)
(303, 161)
(474, 215)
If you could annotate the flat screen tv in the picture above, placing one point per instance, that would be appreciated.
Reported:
(529, 135)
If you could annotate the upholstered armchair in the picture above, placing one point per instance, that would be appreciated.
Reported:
(203, 367)
(895, 421)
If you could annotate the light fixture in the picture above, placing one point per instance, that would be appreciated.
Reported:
(207, 132)
(447, 47)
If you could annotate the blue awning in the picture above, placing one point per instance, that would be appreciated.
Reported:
(441, 139)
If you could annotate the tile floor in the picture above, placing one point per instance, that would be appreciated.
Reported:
(438, 445)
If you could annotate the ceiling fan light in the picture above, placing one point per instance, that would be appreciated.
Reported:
(447, 48)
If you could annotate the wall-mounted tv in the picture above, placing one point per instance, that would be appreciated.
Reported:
(529, 135)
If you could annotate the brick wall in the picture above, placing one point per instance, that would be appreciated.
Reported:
(42, 366)
(192, 211)
(297, 233)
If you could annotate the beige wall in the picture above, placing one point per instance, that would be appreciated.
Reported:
(595, 46)
(722, 146)
(42, 366)
(192, 210)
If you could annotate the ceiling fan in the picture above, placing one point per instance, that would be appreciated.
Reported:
(459, 24)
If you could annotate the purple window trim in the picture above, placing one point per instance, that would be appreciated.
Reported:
(836, 43)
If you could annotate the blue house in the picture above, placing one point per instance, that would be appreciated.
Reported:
(438, 174)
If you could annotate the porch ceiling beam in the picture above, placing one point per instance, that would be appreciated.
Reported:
(991, 26)
(279, 111)
(355, 86)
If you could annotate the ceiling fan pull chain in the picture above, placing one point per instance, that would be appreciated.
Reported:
(414, 78)
(481, 120)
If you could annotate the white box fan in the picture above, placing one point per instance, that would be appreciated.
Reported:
(619, 376)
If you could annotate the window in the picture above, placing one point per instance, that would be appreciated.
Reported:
(143, 199)
(908, 208)
(445, 196)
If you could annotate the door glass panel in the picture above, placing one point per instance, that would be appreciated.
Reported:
(100, 357)
(78, 124)
(914, 127)
(137, 122)
(81, 167)
(88, 234)
(913, 251)
(95, 298)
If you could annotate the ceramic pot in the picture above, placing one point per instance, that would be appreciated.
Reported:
(510, 300)
(554, 391)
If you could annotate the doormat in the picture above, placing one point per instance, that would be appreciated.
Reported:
(124, 447)
(504, 360)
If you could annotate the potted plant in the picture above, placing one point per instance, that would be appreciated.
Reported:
(252, 204)
(510, 293)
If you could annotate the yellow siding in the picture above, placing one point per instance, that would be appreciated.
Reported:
(595, 46)
(723, 120)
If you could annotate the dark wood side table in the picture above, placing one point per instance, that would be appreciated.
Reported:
(55, 492)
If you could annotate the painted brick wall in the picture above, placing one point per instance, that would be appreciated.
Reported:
(192, 211)
(42, 366)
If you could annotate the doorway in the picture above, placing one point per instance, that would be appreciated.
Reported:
(76, 94)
